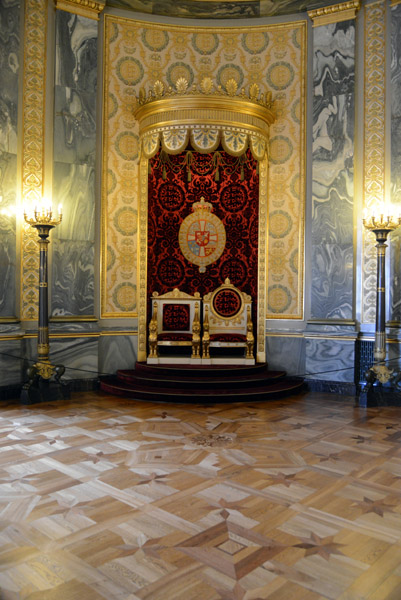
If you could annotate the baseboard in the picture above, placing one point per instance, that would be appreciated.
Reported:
(13, 392)
(343, 388)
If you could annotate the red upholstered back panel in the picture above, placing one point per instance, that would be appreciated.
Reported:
(227, 303)
(235, 202)
(176, 317)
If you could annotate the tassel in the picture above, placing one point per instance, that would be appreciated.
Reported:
(217, 175)
(149, 168)
(242, 173)
(257, 167)
(189, 175)
(164, 173)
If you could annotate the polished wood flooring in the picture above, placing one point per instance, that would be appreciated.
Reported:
(109, 498)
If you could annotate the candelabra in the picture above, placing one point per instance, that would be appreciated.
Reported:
(39, 387)
(381, 225)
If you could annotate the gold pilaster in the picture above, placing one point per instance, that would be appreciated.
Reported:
(262, 263)
(374, 144)
(85, 8)
(142, 257)
(334, 13)
(33, 112)
(395, 2)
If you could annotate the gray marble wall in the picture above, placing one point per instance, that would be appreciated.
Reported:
(214, 9)
(9, 72)
(332, 171)
(395, 246)
(72, 292)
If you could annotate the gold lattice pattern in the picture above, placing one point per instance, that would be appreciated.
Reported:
(136, 57)
(33, 142)
(374, 144)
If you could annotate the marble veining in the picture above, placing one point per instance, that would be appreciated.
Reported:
(76, 51)
(332, 276)
(332, 171)
(330, 359)
(234, 9)
(117, 352)
(78, 355)
(72, 278)
(9, 71)
(74, 189)
(11, 367)
(286, 353)
(190, 9)
(395, 274)
(74, 126)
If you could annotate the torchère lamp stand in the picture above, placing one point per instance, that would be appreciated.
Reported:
(40, 387)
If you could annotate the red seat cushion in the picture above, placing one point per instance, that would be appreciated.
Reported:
(174, 337)
(227, 337)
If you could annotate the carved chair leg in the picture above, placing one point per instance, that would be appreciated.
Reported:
(153, 333)
(206, 335)
(196, 329)
(250, 340)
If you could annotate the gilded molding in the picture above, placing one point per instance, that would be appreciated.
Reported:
(33, 113)
(334, 13)
(262, 262)
(130, 71)
(84, 8)
(395, 2)
(142, 258)
(374, 144)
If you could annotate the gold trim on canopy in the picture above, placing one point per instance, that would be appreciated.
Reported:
(204, 116)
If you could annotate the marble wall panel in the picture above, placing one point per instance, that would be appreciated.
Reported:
(9, 71)
(395, 273)
(74, 189)
(72, 278)
(78, 355)
(209, 9)
(117, 352)
(74, 126)
(332, 277)
(332, 170)
(74, 164)
(330, 359)
(11, 365)
(286, 353)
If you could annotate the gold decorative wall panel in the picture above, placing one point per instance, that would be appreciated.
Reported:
(34, 79)
(374, 144)
(136, 55)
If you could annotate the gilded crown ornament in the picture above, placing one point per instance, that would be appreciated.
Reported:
(205, 88)
(202, 205)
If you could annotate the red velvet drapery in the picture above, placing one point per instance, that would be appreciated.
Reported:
(235, 200)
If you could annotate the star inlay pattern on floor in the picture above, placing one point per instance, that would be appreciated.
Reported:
(111, 498)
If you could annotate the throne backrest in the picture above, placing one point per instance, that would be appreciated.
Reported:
(227, 309)
(175, 311)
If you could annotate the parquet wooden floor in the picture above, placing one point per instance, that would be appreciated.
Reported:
(109, 498)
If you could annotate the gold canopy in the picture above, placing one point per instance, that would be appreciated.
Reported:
(205, 117)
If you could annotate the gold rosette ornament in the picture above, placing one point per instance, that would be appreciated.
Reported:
(202, 236)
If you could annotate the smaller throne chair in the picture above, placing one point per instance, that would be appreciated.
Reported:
(175, 322)
(227, 322)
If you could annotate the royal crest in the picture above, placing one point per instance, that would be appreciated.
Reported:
(202, 236)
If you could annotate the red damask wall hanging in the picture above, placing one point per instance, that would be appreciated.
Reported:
(231, 185)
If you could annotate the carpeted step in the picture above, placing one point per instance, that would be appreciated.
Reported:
(115, 386)
(197, 379)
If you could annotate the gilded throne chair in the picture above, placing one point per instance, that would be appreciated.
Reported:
(175, 322)
(227, 323)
